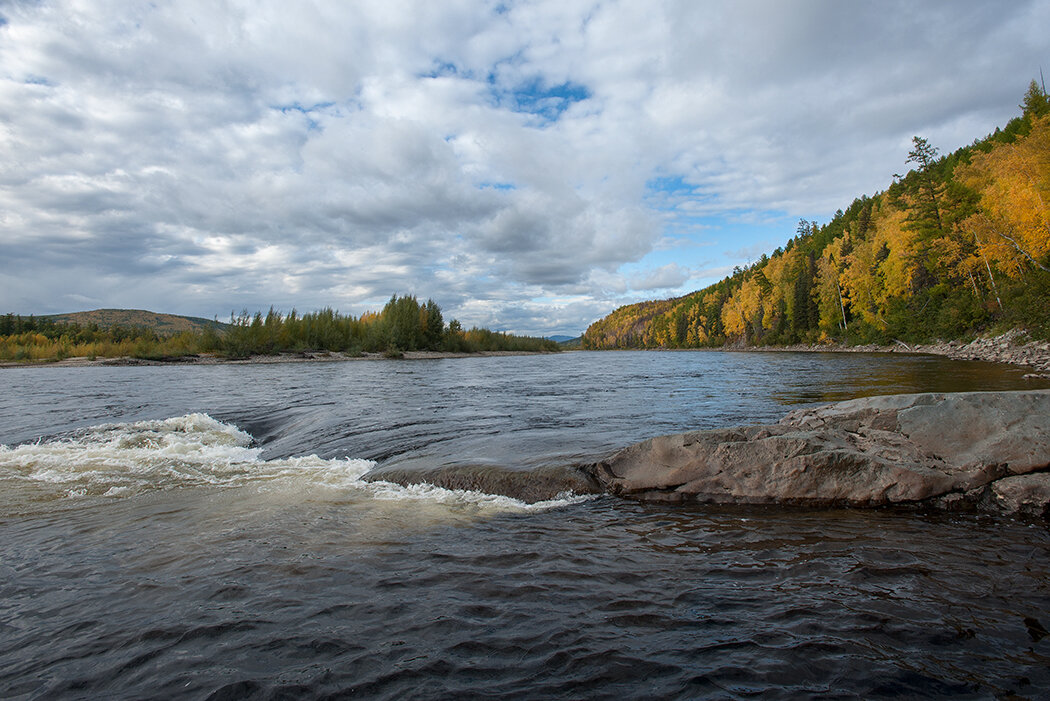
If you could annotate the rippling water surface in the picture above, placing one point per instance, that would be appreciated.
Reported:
(204, 531)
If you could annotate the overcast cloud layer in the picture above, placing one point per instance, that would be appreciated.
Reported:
(528, 165)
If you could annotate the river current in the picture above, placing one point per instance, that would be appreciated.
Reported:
(204, 532)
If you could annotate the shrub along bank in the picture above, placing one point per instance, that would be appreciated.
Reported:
(404, 324)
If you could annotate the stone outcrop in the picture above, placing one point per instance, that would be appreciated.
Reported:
(988, 450)
(979, 448)
(1028, 495)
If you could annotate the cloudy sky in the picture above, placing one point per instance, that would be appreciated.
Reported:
(528, 165)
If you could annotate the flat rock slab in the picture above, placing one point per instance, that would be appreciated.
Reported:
(531, 486)
(865, 452)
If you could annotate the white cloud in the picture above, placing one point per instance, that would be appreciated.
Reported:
(750, 253)
(665, 277)
(198, 157)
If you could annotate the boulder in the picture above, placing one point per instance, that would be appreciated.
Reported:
(865, 452)
(1027, 495)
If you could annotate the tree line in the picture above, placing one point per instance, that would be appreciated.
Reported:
(959, 245)
(404, 324)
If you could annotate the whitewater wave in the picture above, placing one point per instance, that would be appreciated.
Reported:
(124, 459)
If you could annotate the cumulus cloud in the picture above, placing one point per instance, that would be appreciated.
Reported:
(665, 277)
(519, 162)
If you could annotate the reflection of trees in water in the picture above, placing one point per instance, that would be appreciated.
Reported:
(872, 375)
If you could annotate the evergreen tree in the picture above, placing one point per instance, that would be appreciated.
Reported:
(433, 325)
(1036, 103)
(927, 217)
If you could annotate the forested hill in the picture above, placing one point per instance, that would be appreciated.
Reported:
(403, 325)
(960, 244)
(162, 324)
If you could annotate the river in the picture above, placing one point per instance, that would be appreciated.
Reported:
(204, 532)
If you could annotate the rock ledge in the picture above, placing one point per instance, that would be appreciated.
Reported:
(974, 449)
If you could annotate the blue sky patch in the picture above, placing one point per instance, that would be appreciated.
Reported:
(442, 69)
(673, 183)
(305, 110)
(666, 192)
(534, 97)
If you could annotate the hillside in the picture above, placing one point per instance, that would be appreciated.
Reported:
(959, 245)
(403, 325)
(161, 324)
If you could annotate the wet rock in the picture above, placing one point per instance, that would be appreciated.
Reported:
(1027, 495)
(1036, 630)
(866, 452)
(530, 486)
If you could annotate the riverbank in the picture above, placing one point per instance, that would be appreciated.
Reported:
(304, 357)
(1013, 348)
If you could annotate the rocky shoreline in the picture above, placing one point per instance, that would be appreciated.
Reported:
(1013, 348)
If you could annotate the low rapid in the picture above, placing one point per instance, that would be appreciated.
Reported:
(208, 532)
(195, 450)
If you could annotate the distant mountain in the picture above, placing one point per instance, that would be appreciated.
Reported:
(163, 324)
(568, 342)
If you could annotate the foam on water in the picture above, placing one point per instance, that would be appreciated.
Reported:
(124, 459)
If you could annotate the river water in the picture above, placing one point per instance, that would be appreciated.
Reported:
(204, 531)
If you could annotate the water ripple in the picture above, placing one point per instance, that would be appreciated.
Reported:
(263, 574)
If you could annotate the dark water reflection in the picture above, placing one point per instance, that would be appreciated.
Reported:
(301, 589)
(873, 374)
(597, 600)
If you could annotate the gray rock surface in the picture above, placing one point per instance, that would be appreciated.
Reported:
(951, 448)
(530, 486)
(1024, 494)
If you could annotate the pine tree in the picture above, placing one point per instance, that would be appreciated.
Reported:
(1036, 103)
(928, 211)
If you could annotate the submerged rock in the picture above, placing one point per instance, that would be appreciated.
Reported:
(949, 449)
(530, 486)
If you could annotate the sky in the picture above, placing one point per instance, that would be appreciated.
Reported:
(528, 165)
